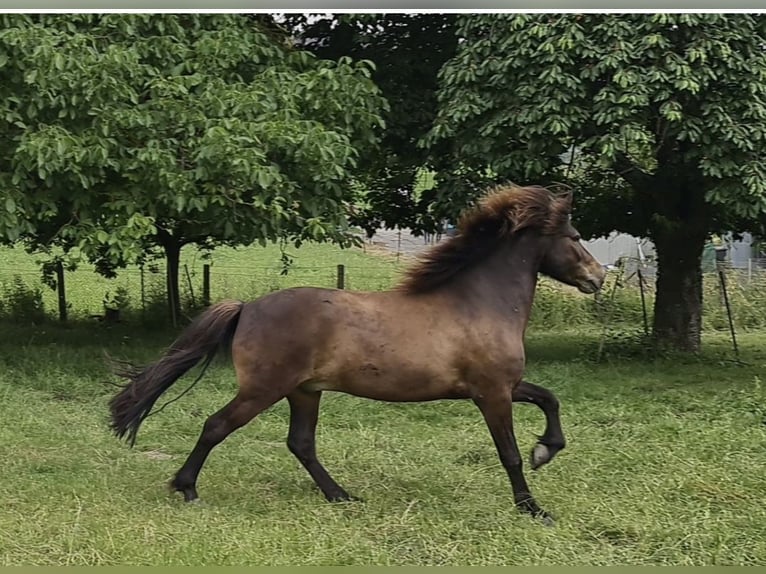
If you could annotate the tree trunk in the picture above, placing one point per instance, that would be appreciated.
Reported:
(678, 306)
(172, 257)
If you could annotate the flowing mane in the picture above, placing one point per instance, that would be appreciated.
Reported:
(501, 213)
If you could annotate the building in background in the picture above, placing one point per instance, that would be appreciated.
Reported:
(739, 254)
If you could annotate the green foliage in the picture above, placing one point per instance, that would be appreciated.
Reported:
(23, 303)
(407, 51)
(119, 300)
(125, 131)
(672, 103)
(153, 309)
(658, 120)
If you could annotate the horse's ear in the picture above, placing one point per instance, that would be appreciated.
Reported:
(565, 200)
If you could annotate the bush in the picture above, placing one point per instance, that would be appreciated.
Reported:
(22, 302)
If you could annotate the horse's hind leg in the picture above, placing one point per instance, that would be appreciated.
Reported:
(552, 440)
(218, 426)
(301, 440)
(497, 410)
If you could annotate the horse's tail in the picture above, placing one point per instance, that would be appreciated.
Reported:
(204, 337)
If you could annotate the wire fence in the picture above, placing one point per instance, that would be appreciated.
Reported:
(141, 292)
(733, 297)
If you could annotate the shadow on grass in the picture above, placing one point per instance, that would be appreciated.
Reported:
(69, 360)
(81, 333)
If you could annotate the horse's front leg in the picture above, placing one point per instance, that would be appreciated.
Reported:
(497, 407)
(552, 440)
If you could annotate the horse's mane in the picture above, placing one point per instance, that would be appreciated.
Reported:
(501, 213)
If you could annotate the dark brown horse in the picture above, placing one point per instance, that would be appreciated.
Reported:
(470, 296)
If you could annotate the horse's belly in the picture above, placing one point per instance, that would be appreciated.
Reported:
(394, 385)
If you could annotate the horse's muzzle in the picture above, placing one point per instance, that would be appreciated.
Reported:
(593, 282)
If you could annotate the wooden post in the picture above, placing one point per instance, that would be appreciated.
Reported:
(191, 287)
(722, 278)
(206, 284)
(171, 298)
(643, 300)
(143, 292)
(341, 276)
(61, 290)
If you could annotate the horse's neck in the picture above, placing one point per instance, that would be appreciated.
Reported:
(505, 281)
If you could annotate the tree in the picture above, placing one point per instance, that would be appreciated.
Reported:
(664, 115)
(124, 132)
(408, 51)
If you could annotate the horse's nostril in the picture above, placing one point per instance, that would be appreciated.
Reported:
(595, 284)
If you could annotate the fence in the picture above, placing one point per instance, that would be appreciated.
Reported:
(139, 294)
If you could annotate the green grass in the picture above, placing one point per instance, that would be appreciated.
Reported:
(664, 463)
(664, 466)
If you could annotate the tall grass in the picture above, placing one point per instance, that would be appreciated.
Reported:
(620, 306)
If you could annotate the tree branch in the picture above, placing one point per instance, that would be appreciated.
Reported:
(631, 173)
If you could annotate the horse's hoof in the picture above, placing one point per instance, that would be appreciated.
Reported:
(541, 454)
(547, 519)
(344, 498)
(189, 492)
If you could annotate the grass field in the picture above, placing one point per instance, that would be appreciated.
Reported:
(664, 464)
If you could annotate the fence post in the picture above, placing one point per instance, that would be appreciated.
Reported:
(749, 270)
(61, 291)
(191, 287)
(143, 293)
(722, 278)
(341, 276)
(643, 300)
(206, 285)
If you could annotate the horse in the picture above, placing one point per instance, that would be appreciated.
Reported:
(471, 295)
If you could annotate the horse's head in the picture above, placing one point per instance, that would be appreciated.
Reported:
(565, 257)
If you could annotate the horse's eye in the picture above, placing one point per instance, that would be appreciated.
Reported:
(576, 238)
